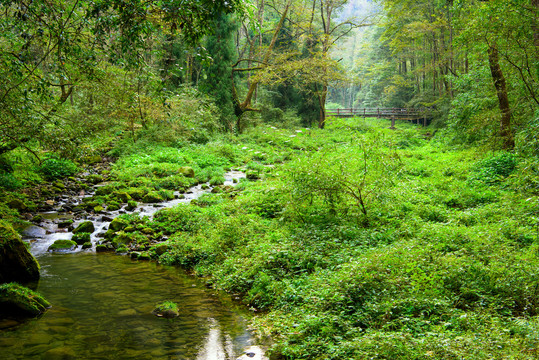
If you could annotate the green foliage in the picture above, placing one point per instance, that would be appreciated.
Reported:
(54, 167)
(494, 169)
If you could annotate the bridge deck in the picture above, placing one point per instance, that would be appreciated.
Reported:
(414, 115)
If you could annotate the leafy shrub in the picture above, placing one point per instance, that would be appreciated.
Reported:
(494, 169)
(9, 182)
(54, 167)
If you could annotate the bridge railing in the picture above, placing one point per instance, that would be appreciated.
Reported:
(414, 115)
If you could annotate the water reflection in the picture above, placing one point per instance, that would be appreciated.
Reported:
(102, 307)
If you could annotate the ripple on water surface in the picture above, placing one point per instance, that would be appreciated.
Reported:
(102, 307)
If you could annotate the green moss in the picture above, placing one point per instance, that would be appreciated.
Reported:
(30, 302)
(81, 238)
(84, 227)
(167, 309)
(16, 262)
(152, 197)
(62, 245)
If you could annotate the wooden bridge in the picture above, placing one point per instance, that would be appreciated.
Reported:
(418, 116)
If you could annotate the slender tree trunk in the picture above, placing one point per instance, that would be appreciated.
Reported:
(503, 98)
(535, 25)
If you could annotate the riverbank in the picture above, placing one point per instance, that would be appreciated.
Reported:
(356, 241)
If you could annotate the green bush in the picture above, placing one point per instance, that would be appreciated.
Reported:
(494, 169)
(54, 167)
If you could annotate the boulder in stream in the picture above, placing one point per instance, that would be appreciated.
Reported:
(152, 198)
(62, 245)
(187, 171)
(16, 262)
(84, 227)
(167, 309)
(28, 302)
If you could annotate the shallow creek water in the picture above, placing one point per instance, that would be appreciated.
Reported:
(102, 305)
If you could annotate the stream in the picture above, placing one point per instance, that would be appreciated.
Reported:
(102, 304)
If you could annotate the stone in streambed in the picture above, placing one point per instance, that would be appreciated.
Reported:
(118, 224)
(167, 309)
(187, 171)
(29, 302)
(152, 198)
(81, 238)
(16, 262)
(60, 353)
(84, 227)
(62, 245)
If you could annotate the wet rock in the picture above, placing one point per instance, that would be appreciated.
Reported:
(17, 204)
(252, 175)
(106, 218)
(253, 353)
(81, 238)
(167, 309)
(144, 256)
(37, 219)
(187, 171)
(49, 202)
(16, 262)
(34, 232)
(122, 196)
(27, 301)
(62, 245)
(103, 248)
(152, 197)
(131, 205)
(65, 223)
(85, 226)
(134, 255)
(118, 224)
(86, 245)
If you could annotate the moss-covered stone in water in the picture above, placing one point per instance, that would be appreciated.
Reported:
(121, 239)
(30, 302)
(187, 171)
(144, 256)
(16, 262)
(62, 245)
(136, 193)
(152, 198)
(103, 248)
(167, 309)
(131, 205)
(113, 206)
(87, 245)
(85, 227)
(81, 238)
(252, 175)
(94, 179)
(122, 196)
(118, 224)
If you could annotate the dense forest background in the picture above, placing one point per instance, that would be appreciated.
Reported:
(347, 239)
(73, 70)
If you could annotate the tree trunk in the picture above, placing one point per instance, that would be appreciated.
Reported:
(503, 98)
(322, 102)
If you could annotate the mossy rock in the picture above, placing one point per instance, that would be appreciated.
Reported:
(113, 206)
(252, 175)
(16, 262)
(122, 196)
(65, 223)
(147, 231)
(17, 204)
(161, 249)
(94, 179)
(86, 245)
(187, 171)
(98, 209)
(62, 245)
(92, 159)
(122, 238)
(118, 224)
(144, 256)
(81, 238)
(136, 193)
(103, 248)
(167, 309)
(59, 185)
(131, 205)
(152, 198)
(29, 302)
(85, 227)
(122, 250)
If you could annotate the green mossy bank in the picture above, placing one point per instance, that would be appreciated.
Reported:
(16, 262)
